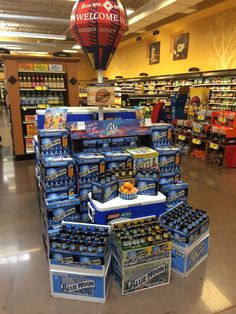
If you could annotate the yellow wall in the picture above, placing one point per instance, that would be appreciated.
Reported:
(212, 46)
(86, 72)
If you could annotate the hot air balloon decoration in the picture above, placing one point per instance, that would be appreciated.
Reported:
(98, 27)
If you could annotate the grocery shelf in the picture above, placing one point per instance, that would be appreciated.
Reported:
(29, 122)
(48, 72)
(44, 90)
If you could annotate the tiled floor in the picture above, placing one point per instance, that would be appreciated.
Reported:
(24, 279)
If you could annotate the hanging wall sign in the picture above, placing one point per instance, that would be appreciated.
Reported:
(101, 94)
(98, 26)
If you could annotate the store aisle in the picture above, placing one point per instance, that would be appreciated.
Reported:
(23, 266)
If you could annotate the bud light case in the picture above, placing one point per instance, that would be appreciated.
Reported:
(175, 193)
(54, 143)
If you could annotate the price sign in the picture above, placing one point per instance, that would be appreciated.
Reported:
(44, 87)
(221, 119)
(81, 125)
(200, 118)
(182, 137)
(214, 146)
(196, 141)
(42, 106)
(197, 130)
(38, 87)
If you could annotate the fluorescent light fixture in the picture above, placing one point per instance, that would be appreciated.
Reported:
(70, 51)
(34, 52)
(129, 11)
(76, 47)
(12, 47)
(32, 35)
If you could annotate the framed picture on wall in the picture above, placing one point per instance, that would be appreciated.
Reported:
(154, 52)
(180, 49)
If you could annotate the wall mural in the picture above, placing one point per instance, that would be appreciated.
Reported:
(222, 35)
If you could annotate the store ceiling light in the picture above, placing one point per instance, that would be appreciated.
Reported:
(129, 11)
(34, 52)
(11, 47)
(76, 47)
(70, 51)
(32, 35)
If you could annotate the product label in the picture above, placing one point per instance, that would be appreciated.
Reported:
(57, 174)
(182, 137)
(67, 213)
(79, 286)
(214, 146)
(196, 141)
(134, 284)
(51, 144)
(176, 196)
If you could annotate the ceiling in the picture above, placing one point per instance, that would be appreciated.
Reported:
(55, 16)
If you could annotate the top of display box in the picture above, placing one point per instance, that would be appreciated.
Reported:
(107, 128)
(141, 152)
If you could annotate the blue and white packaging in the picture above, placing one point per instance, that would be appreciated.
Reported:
(89, 166)
(54, 142)
(81, 285)
(60, 195)
(68, 210)
(169, 159)
(161, 135)
(147, 186)
(57, 172)
(104, 192)
(117, 143)
(175, 193)
(169, 177)
(121, 162)
(185, 260)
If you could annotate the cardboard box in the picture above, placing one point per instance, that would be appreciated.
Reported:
(120, 163)
(80, 285)
(144, 158)
(54, 142)
(57, 173)
(185, 260)
(161, 135)
(175, 193)
(104, 192)
(89, 166)
(141, 277)
(169, 159)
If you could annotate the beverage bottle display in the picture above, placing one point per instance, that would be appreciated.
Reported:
(33, 81)
(20, 81)
(50, 81)
(54, 83)
(46, 82)
(37, 83)
(58, 81)
(61, 99)
(29, 83)
(41, 80)
(62, 83)
(25, 84)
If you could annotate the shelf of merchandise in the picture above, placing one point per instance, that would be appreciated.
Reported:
(22, 90)
(207, 143)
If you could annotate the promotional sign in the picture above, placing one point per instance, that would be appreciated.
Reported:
(98, 27)
(101, 94)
